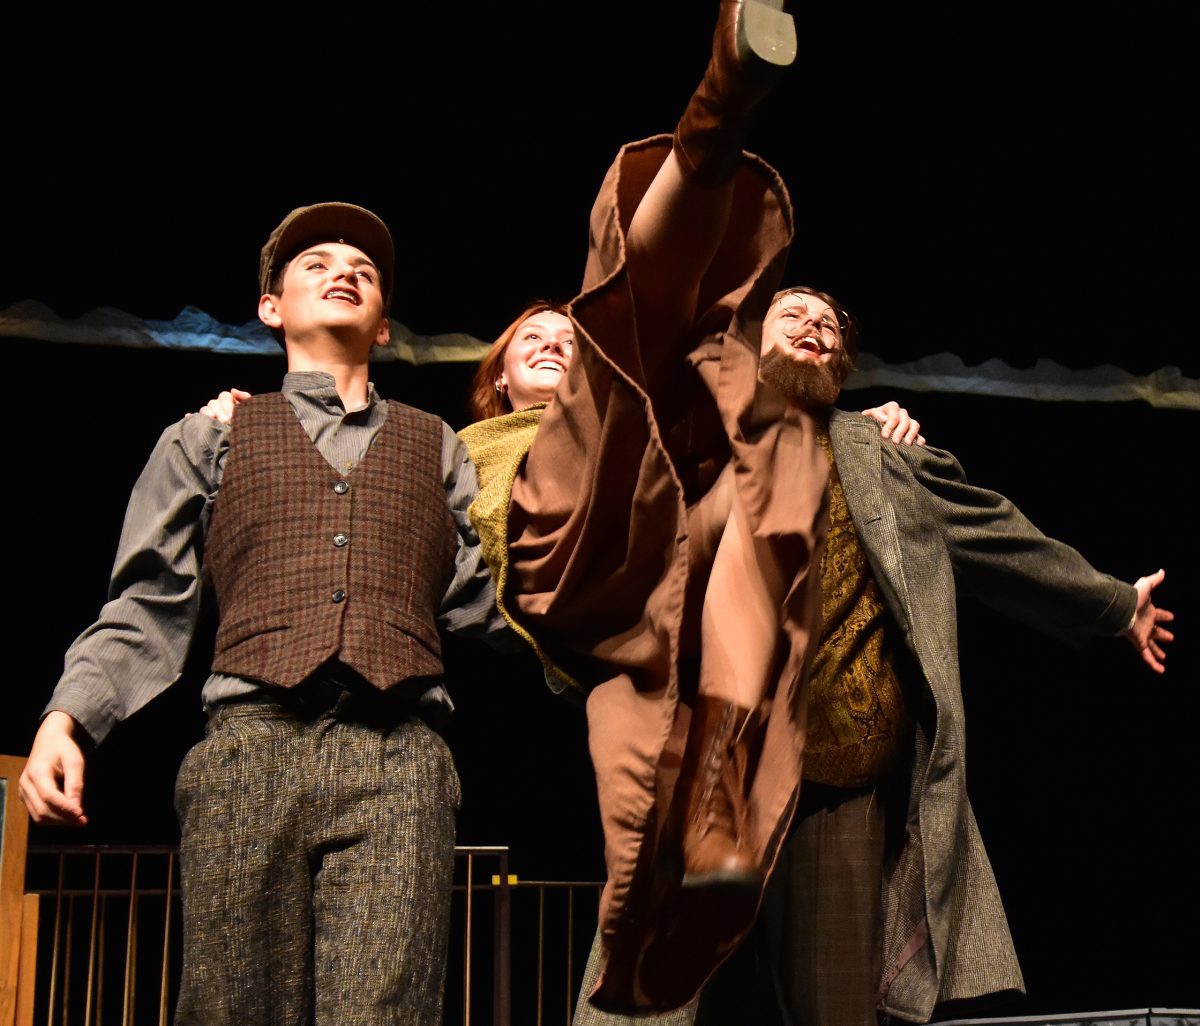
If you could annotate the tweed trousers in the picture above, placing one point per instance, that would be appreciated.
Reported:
(813, 956)
(317, 858)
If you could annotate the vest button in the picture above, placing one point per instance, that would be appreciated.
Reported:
(340, 539)
(341, 487)
(338, 596)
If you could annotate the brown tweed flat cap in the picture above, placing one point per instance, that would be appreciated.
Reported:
(329, 222)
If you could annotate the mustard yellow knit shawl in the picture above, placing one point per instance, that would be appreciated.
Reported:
(498, 447)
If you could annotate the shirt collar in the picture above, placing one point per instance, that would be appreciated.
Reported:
(319, 387)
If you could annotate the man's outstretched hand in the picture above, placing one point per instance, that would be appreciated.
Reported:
(1148, 635)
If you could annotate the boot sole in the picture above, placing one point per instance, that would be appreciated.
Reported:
(724, 880)
(766, 33)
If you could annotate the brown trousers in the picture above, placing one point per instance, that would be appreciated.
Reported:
(317, 858)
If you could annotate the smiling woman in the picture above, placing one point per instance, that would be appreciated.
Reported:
(525, 364)
(515, 380)
(536, 360)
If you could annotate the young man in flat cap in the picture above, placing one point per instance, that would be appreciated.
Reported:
(318, 813)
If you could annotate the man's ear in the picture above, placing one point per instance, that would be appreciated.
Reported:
(384, 335)
(268, 311)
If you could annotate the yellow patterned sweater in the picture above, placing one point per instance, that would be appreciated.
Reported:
(856, 718)
(498, 447)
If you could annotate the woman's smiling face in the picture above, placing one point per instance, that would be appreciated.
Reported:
(537, 358)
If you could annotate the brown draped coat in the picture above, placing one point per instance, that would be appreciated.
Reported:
(602, 570)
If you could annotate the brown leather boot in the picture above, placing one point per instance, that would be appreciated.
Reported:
(712, 783)
(754, 41)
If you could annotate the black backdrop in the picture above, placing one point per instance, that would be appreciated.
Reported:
(1012, 180)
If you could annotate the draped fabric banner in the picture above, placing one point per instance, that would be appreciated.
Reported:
(194, 329)
(1166, 388)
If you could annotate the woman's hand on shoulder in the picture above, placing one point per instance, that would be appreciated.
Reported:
(896, 424)
(221, 408)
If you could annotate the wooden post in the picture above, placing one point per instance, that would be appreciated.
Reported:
(14, 834)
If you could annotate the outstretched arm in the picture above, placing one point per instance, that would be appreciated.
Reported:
(1147, 633)
(1002, 558)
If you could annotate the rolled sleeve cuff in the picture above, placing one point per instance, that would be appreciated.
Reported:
(96, 716)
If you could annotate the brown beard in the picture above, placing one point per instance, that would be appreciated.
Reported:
(813, 386)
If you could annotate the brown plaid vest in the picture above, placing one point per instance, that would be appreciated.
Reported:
(309, 563)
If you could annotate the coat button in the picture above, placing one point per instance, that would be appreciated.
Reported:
(340, 539)
(341, 487)
(338, 596)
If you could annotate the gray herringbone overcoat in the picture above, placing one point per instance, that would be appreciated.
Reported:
(925, 530)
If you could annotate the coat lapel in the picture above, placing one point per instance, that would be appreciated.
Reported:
(857, 449)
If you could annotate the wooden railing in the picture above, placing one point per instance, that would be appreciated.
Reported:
(107, 947)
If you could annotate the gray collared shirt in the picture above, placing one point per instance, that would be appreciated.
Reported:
(137, 647)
